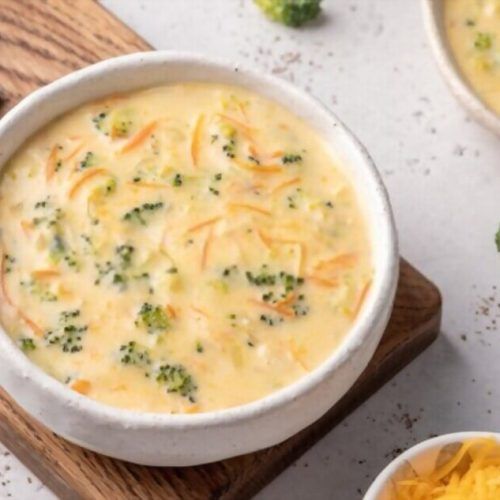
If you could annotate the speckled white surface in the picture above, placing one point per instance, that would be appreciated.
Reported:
(370, 62)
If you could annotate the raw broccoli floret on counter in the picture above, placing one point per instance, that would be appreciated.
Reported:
(290, 12)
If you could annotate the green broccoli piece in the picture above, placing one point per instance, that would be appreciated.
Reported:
(264, 278)
(134, 354)
(483, 41)
(68, 336)
(290, 12)
(88, 161)
(137, 213)
(153, 318)
(27, 344)
(125, 253)
(59, 251)
(291, 158)
(177, 379)
(497, 239)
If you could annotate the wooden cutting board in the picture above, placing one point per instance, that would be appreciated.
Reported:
(41, 40)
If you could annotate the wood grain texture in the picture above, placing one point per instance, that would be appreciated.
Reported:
(41, 40)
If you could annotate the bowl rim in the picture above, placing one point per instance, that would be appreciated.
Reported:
(390, 469)
(456, 81)
(359, 333)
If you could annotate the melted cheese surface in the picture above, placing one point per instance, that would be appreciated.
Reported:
(473, 30)
(180, 249)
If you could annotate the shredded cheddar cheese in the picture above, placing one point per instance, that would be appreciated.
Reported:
(473, 473)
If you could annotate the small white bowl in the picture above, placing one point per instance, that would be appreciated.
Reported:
(164, 439)
(463, 91)
(420, 459)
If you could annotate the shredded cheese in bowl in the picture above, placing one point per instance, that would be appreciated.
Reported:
(472, 472)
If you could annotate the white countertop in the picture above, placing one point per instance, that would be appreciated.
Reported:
(370, 62)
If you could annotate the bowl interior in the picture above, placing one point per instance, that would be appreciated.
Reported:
(161, 68)
(459, 85)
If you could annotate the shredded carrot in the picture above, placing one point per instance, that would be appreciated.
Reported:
(171, 311)
(206, 248)
(89, 174)
(196, 140)
(140, 137)
(242, 127)
(27, 226)
(81, 386)
(265, 239)
(242, 108)
(45, 273)
(260, 169)
(296, 354)
(268, 241)
(278, 308)
(245, 206)
(74, 152)
(276, 154)
(50, 168)
(200, 311)
(236, 187)
(287, 300)
(284, 185)
(37, 330)
(149, 185)
(203, 224)
(253, 150)
(34, 327)
(285, 241)
(339, 261)
(361, 298)
(322, 281)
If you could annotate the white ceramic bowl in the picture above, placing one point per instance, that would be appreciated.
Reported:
(162, 439)
(420, 459)
(434, 24)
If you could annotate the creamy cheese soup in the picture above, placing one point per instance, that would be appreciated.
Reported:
(180, 249)
(473, 30)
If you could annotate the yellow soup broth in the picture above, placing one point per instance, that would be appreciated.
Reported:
(180, 249)
(473, 30)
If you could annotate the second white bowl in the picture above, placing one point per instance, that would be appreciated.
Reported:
(434, 24)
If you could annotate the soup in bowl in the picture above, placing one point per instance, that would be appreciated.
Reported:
(186, 255)
(465, 37)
